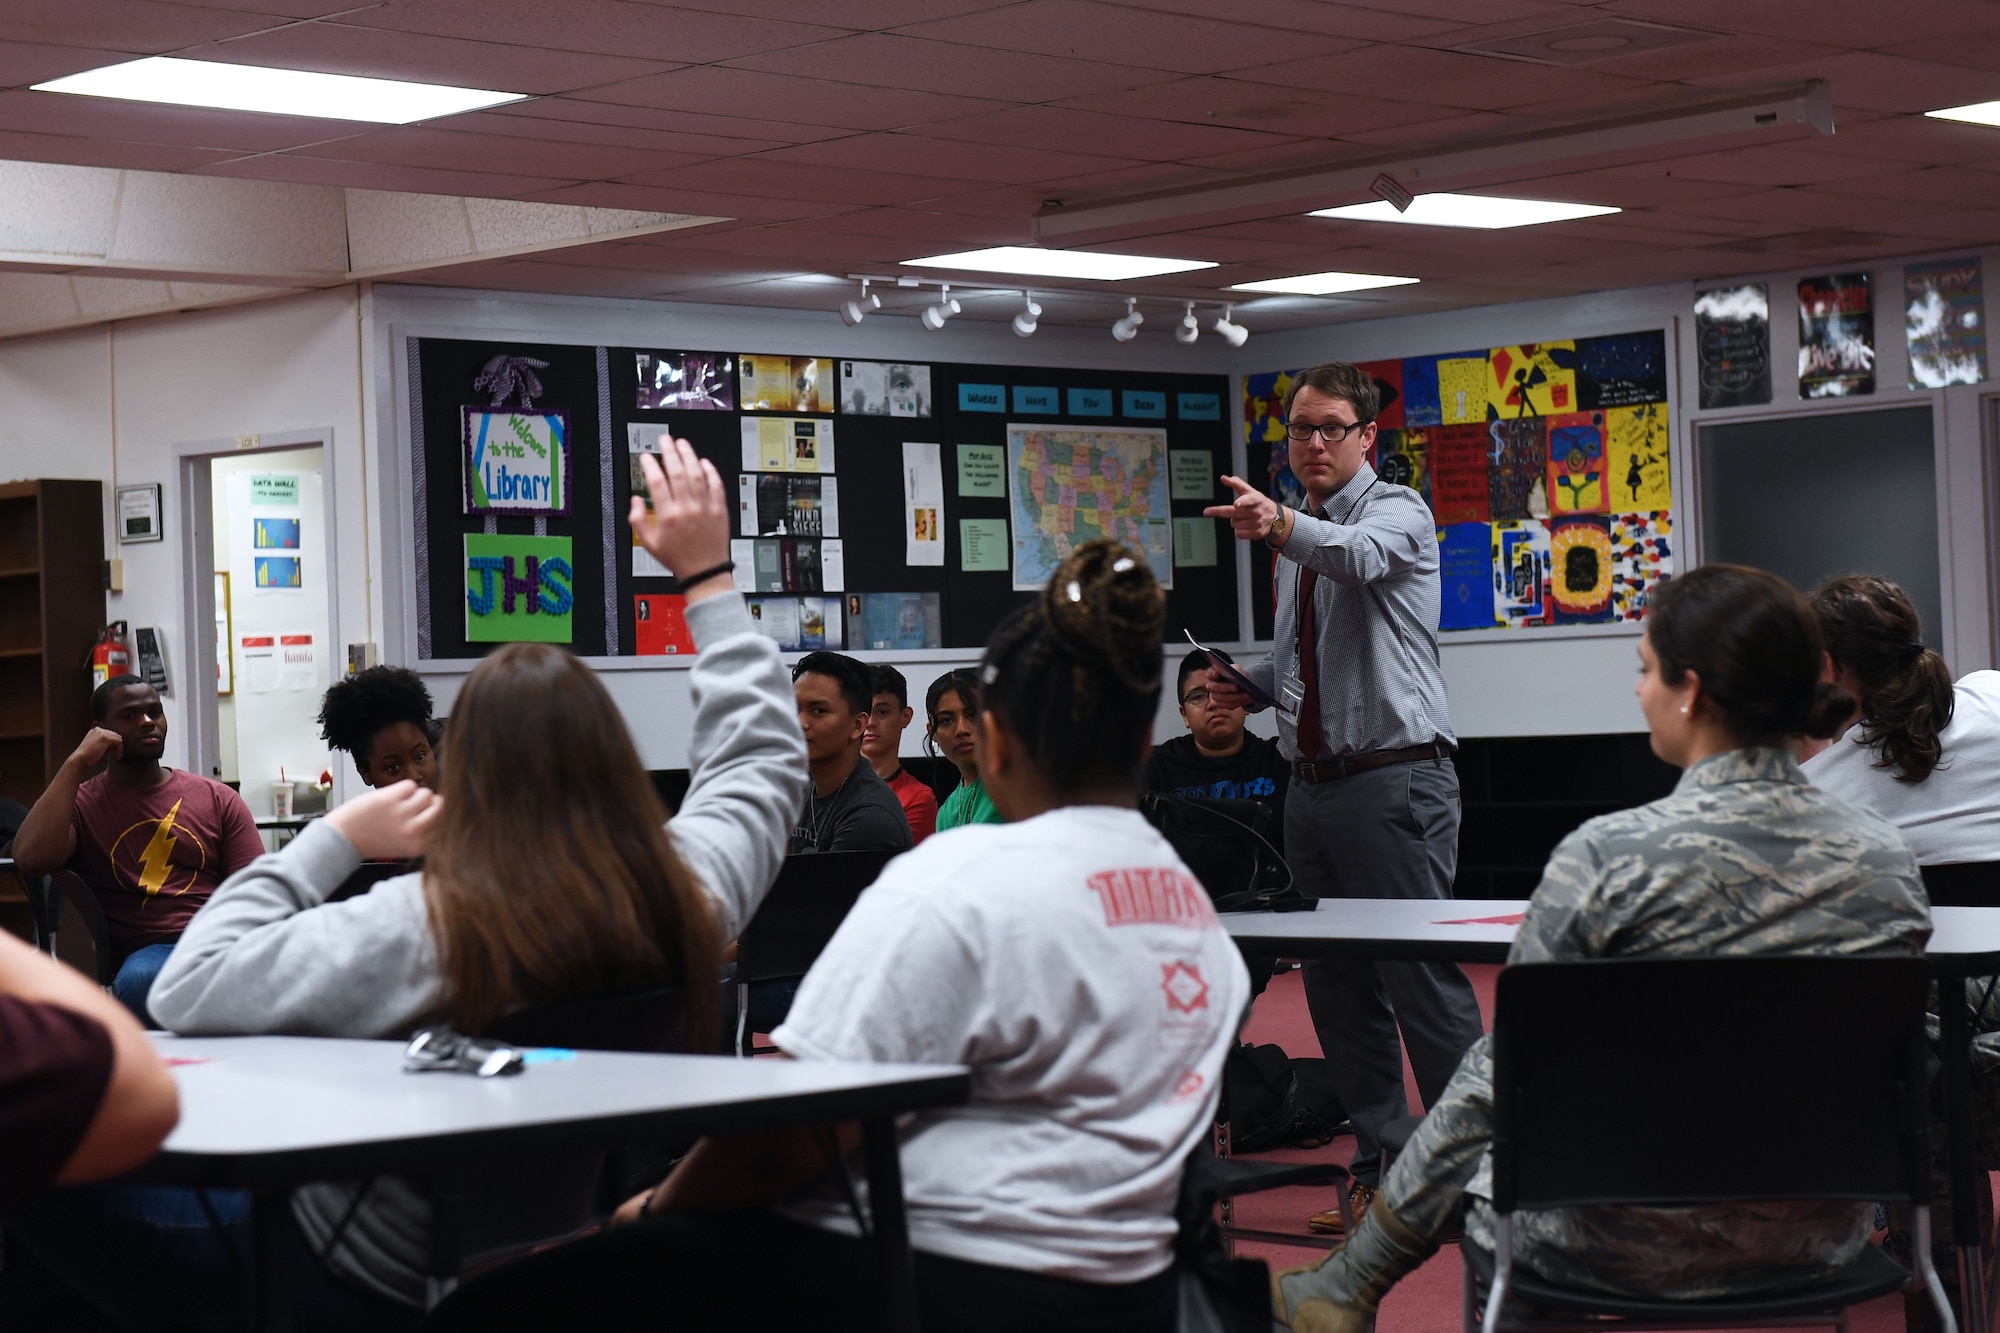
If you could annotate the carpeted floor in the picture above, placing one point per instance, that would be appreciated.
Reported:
(1428, 1300)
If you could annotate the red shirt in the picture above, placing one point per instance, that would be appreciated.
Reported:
(54, 1067)
(919, 803)
(154, 857)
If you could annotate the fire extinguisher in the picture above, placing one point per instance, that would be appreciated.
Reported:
(112, 656)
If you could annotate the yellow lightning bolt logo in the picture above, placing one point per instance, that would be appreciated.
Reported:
(153, 864)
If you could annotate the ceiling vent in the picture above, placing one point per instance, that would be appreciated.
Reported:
(1581, 43)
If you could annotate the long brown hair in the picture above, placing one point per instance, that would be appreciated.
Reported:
(1871, 629)
(551, 876)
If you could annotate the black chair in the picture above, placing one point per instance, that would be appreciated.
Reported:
(1218, 1292)
(69, 924)
(1230, 845)
(1963, 884)
(1688, 1081)
(806, 904)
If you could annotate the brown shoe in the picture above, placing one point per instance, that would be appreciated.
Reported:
(1328, 1223)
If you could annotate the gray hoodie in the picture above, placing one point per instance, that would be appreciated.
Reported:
(268, 954)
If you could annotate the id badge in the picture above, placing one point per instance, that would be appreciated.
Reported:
(1292, 693)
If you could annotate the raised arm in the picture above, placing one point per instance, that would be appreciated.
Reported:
(745, 749)
(48, 836)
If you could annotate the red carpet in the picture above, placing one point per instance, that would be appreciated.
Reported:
(1428, 1300)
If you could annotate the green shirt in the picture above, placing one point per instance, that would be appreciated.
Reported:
(967, 805)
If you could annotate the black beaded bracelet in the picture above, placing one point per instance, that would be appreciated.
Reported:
(727, 566)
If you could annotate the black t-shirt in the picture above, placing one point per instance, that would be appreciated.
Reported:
(862, 815)
(54, 1067)
(1257, 772)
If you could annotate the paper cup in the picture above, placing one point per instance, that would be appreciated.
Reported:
(281, 800)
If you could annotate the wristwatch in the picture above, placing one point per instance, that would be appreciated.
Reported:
(1274, 533)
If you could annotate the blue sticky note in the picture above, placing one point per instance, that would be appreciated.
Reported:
(982, 398)
(1090, 402)
(1465, 576)
(1044, 402)
(1145, 403)
(1199, 406)
(548, 1055)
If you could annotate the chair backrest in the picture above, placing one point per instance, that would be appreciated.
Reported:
(806, 904)
(366, 877)
(1703, 1080)
(1229, 844)
(82, 939)
(647, 1023)
(1964, 884)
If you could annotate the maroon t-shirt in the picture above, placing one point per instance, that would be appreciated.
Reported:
(54, 1066)
(153, 857)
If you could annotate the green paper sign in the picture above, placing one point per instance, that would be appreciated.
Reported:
(277, 489)
(982, 470)
(518, 589)
(982, 545)
(1194, 542)
(1192, 473)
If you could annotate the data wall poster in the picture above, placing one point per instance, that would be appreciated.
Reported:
(1070, 485)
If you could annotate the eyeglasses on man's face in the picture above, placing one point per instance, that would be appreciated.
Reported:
(1333, 432)
(1196, 696)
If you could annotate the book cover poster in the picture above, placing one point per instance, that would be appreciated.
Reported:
(1732, 330)
(780, 504)
(783, 384)
(1580, 569)
(688, 381)
(1944, 316)
(1458, 475)
(1576, 463)
(1521, 573)
(885, 389)
(1621, 370)
(1388, 377)
(898, 619)
(1517, 468)
(1531, 379)
(659, 625)
(1465, 576)
(1637, 472)
(1642, 558)
(1836, 336)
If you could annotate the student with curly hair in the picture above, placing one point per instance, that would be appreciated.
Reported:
(382, 718)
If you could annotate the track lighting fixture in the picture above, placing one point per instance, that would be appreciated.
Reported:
(1024, 323)
(1126, 329)
(1189, 328)
(853, 312)
(935, 316)
(1230, 331)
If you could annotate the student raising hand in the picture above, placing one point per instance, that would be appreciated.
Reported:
(687, 526)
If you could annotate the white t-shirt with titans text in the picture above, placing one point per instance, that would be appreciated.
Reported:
(1077, 967)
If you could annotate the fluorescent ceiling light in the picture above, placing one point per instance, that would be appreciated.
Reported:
(1978, 113)
(1467, 210)
(1323, 284)
(1027, 259)
(281, 92)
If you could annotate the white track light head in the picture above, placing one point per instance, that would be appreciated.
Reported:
(1025, 323)
(853, 312)
(1228, 329)
(1126, 329)
(935, 316)
(1189, 328)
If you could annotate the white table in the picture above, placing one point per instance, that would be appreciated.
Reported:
(1965, 942)
(266, 1114)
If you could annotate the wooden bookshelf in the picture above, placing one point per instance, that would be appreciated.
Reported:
(51, 608)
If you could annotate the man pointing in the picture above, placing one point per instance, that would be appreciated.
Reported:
(1373, 809)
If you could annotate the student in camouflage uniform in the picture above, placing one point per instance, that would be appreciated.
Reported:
(1745, 857)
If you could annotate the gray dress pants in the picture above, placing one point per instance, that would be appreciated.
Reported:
(1387, 833)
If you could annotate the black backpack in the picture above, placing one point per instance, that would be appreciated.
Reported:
(1274, 1101)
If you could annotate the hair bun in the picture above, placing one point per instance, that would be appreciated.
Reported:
(1103, 605)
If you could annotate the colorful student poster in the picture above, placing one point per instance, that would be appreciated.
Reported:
(1264, 432)
(1461, 383)
(659, 625)
(1576, 463)
(923, 504)
(1521, 573)
(1402, 458)
(1517, 468)
(785, 504)
(1637, 472)
(1421, 406)
(885, 389)
(782, 384)
(1642, 558)
(1732, 330)
(1621, 370)
(518, 589)
(1531, 379)
(1836, 336)
(1458, 459)
(687, 381)
(1944, 316)
(516, 461)
(279, 573)
(1465, 576)
(1580, 569)
(787, 444)
(1388, 377)
(274, 534)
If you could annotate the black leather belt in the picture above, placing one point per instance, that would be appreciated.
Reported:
(1331, 770)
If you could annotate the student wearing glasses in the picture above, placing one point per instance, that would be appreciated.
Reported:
(1218, 759)
(1373, 808)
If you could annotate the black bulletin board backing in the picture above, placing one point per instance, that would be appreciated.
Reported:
(868, 452)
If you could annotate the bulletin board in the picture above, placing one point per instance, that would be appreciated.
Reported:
(896, 506)
(1546, 467)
